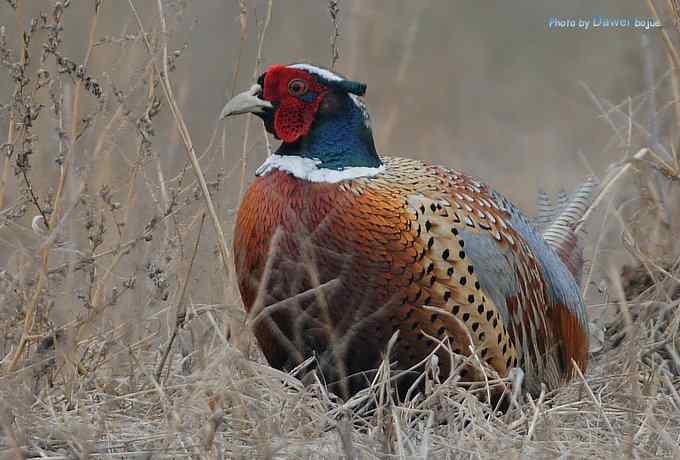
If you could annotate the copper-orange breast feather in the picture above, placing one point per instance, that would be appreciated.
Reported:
(337, 248)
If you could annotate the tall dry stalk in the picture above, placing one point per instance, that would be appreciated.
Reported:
(11, 130)
(56, 216)
(256, 71)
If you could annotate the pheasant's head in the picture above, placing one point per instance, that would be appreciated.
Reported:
(288, 98)
(316, 113)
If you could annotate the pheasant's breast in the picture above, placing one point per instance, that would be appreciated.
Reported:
(425, 251)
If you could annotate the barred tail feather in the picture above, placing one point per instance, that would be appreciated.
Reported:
(558, 223)
(546, 211)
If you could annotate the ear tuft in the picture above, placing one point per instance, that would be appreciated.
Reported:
(352, 87)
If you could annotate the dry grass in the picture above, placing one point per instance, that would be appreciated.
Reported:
(122, 334)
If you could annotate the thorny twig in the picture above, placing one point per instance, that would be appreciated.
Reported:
(184, 131)
(180, 307)
(334, 12)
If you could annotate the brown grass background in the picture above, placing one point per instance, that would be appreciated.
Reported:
(484, 87)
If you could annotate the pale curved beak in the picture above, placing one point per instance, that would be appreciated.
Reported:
(246, 102)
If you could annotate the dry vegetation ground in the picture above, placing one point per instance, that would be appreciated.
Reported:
(121, 331)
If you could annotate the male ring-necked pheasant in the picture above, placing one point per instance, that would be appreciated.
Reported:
(337, 248)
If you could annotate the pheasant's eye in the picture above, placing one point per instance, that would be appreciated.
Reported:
(297, 87)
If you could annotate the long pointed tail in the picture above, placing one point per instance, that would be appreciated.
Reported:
(557, 221)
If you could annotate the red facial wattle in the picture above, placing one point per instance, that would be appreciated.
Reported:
(294, 114)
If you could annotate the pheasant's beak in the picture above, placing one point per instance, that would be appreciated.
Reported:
(246, 102)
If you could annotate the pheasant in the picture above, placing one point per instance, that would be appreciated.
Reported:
(338, 249)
